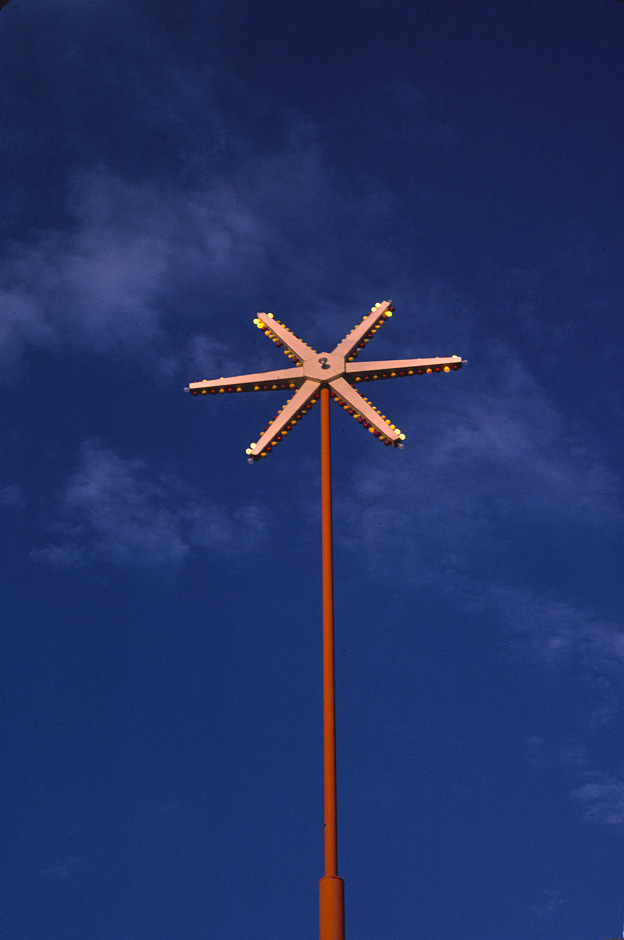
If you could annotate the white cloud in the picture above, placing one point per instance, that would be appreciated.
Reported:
(602, 801)
(477, 467)
(554, 630)
(542, 754)
(61, 870)
(12, 497)
(120, 510)
(484, 478)
(134, 260)
(549, 904)
(108, 280)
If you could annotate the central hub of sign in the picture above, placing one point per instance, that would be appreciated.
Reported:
(323, 367)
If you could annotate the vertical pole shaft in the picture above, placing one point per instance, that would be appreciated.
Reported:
(331, 887)
(329, 709)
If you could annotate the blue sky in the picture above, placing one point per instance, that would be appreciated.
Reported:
(168, 171)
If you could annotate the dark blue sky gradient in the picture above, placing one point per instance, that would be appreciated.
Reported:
(168, 171)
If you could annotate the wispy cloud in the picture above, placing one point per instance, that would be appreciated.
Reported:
(61, 870)
(556, 631)
(549, 904)
(106, 281)
(479, 468)
(602, 801)
(120, 510)
(542, 754)
(589, 651)
(133, 259)
(487, 478)
(12, 497)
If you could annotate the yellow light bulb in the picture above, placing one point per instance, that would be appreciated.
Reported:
(447, 368)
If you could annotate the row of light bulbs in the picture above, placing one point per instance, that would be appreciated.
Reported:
(421, 371)
(264, 387)
(293, 421)
(362, 420)
(279, 342)
(371, 332)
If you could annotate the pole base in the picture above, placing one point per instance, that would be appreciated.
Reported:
(331, 908)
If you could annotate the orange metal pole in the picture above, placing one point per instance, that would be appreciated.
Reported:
(331, 887)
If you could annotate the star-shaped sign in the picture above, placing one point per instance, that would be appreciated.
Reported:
(336, 370)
